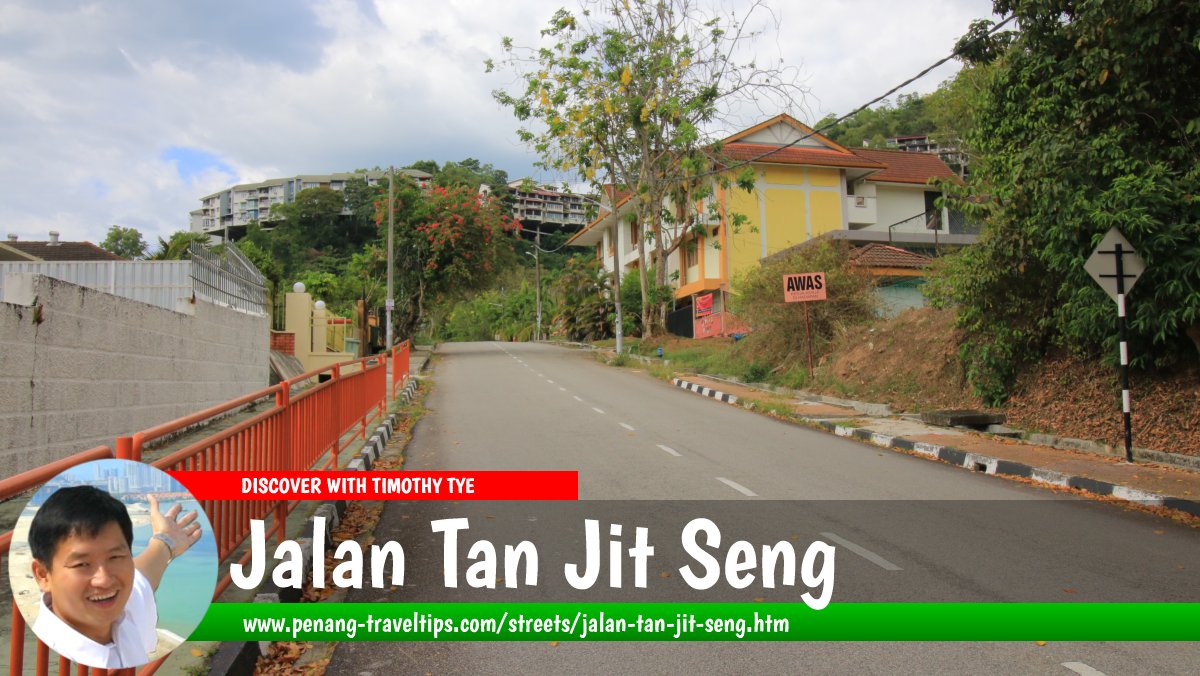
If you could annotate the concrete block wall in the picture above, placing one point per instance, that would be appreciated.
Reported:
(81, 367)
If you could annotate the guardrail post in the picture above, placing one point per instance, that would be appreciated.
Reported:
(284, 449)
(43, 658)
(17, 642)
(125, 449)
(362, 395)
(337, 414)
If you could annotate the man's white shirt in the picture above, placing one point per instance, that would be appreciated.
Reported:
(134, 635)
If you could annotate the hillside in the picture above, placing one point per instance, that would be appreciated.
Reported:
(911, 363)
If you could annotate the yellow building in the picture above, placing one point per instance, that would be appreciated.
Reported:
(805, 186)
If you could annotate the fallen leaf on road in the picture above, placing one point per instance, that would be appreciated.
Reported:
(1068, 590)
(196, 652)
(1041, 643)
(1160, 532)
(664, 575)
(554, 644)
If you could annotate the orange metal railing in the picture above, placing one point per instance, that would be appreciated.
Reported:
(298, 428)
(400, 355)
(15, 486)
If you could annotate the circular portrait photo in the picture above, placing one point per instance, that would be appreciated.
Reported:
(113, 563)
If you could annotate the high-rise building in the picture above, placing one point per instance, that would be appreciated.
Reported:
(545, 209)
(229, 211)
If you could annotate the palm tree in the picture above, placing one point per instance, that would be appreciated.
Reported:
(175, 248)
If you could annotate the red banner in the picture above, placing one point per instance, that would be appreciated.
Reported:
(704, 305)
(390, 485)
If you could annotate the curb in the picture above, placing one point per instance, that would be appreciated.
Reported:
(705, 391)
(977, 462)
(239, 658)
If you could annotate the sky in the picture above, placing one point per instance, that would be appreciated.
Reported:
(129, 112)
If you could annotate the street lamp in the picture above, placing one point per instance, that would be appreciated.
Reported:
(537, 267)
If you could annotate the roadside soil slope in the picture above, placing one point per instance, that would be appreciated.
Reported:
(911, 362)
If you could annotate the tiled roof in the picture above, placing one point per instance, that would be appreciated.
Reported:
(883, 256)
(905, 167)
(798, 155)
(64, 251)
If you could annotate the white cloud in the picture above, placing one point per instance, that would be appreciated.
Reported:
(91, 96)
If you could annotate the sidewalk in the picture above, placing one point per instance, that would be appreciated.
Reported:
(1145, 483)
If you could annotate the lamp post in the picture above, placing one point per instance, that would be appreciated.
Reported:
(537, 276)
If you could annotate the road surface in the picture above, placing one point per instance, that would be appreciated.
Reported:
(906, 529)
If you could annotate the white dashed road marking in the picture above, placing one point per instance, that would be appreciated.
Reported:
(738, 487)
(600, 411)
(670, 450)
(577, 398)
(863, 552)
(562, 389)
(628, 427)
(1082, 669)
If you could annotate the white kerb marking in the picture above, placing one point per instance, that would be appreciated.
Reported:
(597, 410)
(670, 450)
(1082, 669)
(628, 427)
(863, 552)
(738, 487)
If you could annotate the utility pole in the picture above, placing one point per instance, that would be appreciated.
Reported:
(537, 276)
(391, 302)
(617, 279)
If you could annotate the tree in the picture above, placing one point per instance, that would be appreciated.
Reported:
(316, 215)
(175, 247)
(1089, 120)
(428, 166)
(909, 116)
(124, 242)
(624, 95)
(448, 241)
(781, 328)
(585, 308)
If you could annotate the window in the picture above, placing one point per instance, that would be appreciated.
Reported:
(693, 254)
(633, 234)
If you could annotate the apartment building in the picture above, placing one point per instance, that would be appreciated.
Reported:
(955, 158)
(546, 209)
(228, 212)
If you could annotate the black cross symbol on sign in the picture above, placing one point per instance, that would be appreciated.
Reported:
(1115, 265)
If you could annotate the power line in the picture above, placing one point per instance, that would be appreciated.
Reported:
(836, 121)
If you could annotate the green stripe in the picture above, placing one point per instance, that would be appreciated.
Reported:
(659, 622)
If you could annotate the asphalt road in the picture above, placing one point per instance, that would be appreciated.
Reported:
(906, 529)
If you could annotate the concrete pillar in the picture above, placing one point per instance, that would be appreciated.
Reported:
(298, 321)
(320, 330)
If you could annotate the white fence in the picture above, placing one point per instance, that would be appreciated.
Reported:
(158, 283)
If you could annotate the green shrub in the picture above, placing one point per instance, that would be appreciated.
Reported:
(779, 327)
